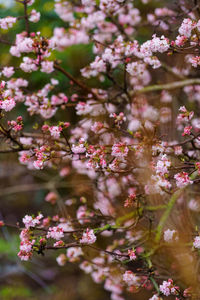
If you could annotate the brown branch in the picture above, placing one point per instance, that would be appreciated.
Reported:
(86, 245)
(185, 142)
(26, 18)
(74, 80)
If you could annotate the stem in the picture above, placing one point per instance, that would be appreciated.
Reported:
(166, 214)
(155, 284)
(132, 214)
(170, 70)
(168, 86)
(26, 18)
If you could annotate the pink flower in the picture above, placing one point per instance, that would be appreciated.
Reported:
(115, 296)
(88, 237)
(8, 71)
(7, 22)
(51, 197)
(34, 16)
(28, 65)
(195, 61)
(155, 297)
(61, 259)
(182, 179)
(170, 235)
(187, 130)
(131, 279)
(185, 115)
(45, 128)
(180, 40)
(83, 108)
(130, 200)
(73, 253)
(178, 150)
(7, 104)
(153, 61)
(196, 242)
(38, 164)
(59, 243)
(132, 254)
(47, 67)
(55, 131)
(167, 288)
(97, 127)
(25, 157)
(119, 119)
(86, 267)
(113, 286)
(186, 27)
(79, 148)
(25, 234)
(55, 233)
(135, 68)
(23, 255)
(26, 245)
(162, 165)
(120, 150)
(30, 221)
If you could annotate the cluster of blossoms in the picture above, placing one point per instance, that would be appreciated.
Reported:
(130, 278)
(16, 125)
(55, 233)
(26, 245)
(168, 288)
(26, 237)
(88, 237)
(7, 103)
(182, 179)
(7, 22)
(30, 221)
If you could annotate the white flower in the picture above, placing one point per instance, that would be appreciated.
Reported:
(196, 242)
(170, 235)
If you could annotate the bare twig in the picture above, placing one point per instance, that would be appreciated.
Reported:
(168, 86)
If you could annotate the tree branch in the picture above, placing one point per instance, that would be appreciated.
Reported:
(168, 86)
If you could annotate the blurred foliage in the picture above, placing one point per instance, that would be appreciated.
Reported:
(15, 292)
(9, 247)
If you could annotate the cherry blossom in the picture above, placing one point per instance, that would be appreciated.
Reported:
(182, 179)
(130, 278)
(196, 242)
(88, 237)
(55, 233)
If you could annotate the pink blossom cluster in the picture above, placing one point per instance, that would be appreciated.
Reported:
(26, 245)
(182, 179)
(30, 221)
(6, 23)
(55, 232)
(168, 288)
(131, 279)
(88, 237)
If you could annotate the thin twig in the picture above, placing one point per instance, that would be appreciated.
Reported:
(168, 86)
